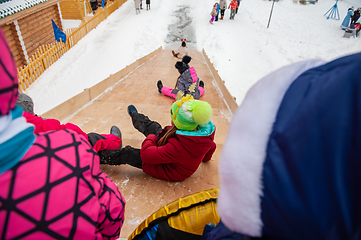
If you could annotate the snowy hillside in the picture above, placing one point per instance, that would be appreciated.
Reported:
(242, 50)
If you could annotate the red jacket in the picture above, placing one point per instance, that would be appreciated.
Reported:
(180, 157)
(42, 125)
(233, 5)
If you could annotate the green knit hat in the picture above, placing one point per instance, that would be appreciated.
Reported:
(188, 113)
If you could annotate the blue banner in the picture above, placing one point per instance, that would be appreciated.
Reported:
(59, 35)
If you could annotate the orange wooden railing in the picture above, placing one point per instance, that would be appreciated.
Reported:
(46, 55)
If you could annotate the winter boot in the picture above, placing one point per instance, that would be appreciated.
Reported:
(116, 132)
(201, 83)
(160, 86)
(221, 17)
(131, 110)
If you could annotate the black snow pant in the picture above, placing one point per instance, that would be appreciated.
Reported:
(222, 12)
(104, 155)
(130, 155)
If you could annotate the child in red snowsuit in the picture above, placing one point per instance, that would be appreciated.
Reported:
(175, 152)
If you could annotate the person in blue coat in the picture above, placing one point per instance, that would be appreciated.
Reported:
(290, 165)
(217, 14)
(346, 21)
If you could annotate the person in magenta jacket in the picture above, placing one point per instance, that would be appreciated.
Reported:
(51, 183)
(175, 152)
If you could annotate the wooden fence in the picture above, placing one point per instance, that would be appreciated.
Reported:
(46, 55)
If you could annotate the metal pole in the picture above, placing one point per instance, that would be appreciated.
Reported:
(269, 20)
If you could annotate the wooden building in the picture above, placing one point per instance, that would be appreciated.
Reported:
(75, 9)
(28, 27)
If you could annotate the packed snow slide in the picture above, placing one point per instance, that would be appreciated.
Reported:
(145, 194)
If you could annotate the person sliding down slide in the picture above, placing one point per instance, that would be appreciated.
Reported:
(172, 153)
(187, 82)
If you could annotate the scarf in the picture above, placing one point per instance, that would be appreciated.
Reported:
(16, 137)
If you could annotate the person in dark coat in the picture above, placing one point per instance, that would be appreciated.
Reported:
(355, 16)
(290, 165)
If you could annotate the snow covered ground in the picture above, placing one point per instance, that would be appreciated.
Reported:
(242, 50)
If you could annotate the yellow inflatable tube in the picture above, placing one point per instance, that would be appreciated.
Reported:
(189, 214)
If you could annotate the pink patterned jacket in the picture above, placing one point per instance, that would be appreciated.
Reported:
(57, 191)
(51, 186)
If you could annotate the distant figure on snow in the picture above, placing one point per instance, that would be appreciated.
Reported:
(187, 82)
(93, 5)
(355, 16)
(213, 13)
(233, 5)
(222, 6)
(148, 4)
(238, 3)
(182, 50)
(216, 18)
(137, 6)
(346, 21)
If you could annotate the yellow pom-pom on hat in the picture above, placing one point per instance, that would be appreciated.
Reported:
(188, 113)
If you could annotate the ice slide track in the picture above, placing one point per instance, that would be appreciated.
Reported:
(145, 194)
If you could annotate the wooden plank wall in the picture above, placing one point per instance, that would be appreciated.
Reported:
(13, 40)
(37, 30)
(72, 9)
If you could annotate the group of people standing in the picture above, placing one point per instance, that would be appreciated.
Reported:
(221, 8)
(139, 5)
(351, 18)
